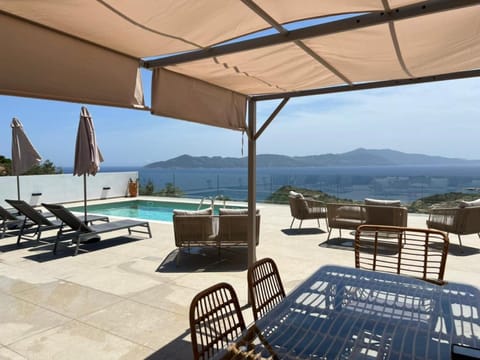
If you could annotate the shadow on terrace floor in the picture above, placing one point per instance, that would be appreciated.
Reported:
(45, 249)
(204, 259)
(178, 348)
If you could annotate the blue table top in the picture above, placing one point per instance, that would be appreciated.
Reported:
(348, 313)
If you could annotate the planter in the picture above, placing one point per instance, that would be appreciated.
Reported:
(133, 189)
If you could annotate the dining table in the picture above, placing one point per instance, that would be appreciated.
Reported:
(348, 313)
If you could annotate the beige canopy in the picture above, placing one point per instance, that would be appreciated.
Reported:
(90, 51)
(211, 58)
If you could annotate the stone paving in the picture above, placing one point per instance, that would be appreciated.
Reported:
(126, 298)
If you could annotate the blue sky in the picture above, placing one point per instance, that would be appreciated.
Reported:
(440, 118)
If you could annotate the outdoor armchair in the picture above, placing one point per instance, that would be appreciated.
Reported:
(82, 231)
(303, 208)
(350, 216)
(233, 227)
(194, 228)
(461, 220)
(385, 212)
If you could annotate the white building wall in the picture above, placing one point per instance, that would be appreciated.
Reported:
(64, 188)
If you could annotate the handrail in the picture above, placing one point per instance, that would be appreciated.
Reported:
(212, 199)
(201, 202)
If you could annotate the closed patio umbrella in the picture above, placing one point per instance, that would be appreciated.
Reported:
(87, 155)
(24, 155)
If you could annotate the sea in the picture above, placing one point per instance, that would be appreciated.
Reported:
(406, 183)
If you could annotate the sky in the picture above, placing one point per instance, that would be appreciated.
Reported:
(440, 118)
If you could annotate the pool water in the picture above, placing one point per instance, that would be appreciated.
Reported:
(144, 209)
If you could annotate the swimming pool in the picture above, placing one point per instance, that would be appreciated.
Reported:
(144, 209)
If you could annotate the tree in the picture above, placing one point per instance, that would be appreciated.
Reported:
(5, 166)
(47, 167)
(148, 189)
(171, 190)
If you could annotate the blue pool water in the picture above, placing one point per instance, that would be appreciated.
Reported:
(143, 209)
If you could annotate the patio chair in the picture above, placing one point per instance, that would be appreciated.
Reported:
(233, 228)
(303, 208)
(265, 288)
(194, 228)
(461, 220)
(216, 320)
(82, 231)
(421, 253)
(34, 222)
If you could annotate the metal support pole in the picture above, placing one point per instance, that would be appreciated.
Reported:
(252, 189)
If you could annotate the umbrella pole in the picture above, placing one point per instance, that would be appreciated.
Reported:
(85, 197)
(18, 187)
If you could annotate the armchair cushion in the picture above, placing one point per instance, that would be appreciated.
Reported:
(464, 204)
(225, 211)
(208, 211)
(350, 212)
(379, 202)
(295, 194)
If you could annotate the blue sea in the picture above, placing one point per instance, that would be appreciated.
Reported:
(406, 183)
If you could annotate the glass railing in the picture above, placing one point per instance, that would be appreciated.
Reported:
(404, 183)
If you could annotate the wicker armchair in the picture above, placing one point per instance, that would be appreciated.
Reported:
(303, 208)
(350, 216)
(459, 221)
(233, 229)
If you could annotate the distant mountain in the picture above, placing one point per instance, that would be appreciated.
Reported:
(358, 157)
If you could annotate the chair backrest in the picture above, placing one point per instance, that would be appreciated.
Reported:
(265, 287)
(215, 320)
(420, 253)
(233, 229)
(298, 206)
(67, 217)
(27, 210)
(6, 215)
(192, 229)
(386, 215)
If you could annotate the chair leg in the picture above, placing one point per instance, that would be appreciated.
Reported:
(300, 224)
(460, 241)
(291, 224)
(329, 233)
(318, 222)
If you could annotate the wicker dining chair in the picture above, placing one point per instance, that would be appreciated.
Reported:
(421, 253)
(216, 320)
(265, 287)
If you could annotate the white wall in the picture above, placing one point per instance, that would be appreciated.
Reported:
(64, 187)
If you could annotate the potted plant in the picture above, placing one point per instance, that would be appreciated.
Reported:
(132, 187)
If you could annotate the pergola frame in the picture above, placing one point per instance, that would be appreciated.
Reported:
(296, 36)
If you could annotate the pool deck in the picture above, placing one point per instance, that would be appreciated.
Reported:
(127, 299)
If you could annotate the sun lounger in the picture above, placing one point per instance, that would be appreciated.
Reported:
(9, 221)
(35, 222)
(81, 231)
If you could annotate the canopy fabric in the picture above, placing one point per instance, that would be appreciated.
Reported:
(87, 154)
(217, 106)
(41, 63)
(100, 44)
(24, 154)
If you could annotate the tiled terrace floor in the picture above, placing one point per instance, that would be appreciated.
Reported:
(127, 299)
